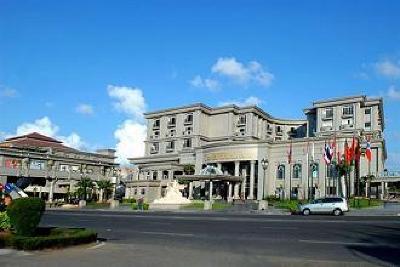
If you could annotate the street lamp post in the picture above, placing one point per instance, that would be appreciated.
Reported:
(264, 164)
(263, 204)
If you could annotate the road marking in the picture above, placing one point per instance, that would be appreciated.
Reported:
(97, 246)
(280, 227)
(166, 233)
(339, 243)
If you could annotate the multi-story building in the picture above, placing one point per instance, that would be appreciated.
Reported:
(53, 167)
(241, 140)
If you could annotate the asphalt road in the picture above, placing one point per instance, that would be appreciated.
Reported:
(218, 239)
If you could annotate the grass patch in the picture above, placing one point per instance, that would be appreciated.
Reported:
(135, 206)
(95, 205)
(49, 238)
(199, 205)
(361, 203)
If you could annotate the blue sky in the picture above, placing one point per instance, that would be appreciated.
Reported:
(70, 67)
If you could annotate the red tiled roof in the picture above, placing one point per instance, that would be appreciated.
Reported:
(36, 140)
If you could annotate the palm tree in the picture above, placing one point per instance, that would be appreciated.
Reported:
(188, 169)
(83, 185)
(105, 187)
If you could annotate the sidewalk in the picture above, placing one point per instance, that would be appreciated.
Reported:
(388, 209)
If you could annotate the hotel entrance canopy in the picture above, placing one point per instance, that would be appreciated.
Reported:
(224, 178)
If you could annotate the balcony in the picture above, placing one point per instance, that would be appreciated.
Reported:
(154, 137)
(188, 121)
(346, 127)
(171, 123)
(326, 128)
(241, 121)
(170, 149)
(154, 150)
(156, 126)
(186, 133)
(279, 132)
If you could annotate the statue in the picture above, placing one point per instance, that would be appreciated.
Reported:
(173, 195)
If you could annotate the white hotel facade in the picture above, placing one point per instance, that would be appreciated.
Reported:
(240, 140)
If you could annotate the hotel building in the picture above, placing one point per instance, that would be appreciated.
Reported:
(248, 142)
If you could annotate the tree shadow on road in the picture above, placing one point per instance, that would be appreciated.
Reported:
(383, 245)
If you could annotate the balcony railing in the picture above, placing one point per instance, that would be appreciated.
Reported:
(326, 128)
(188, 121)
(346, 127)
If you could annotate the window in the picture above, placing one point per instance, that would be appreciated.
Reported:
(37, 164)
(64, 168)
(367, 111)
(135, 191)
(367, 126)
(348, 110)
(331, 190)
(297, 171)
(187, 142)
(172, 121)
(143, 191)
(314, 169)
(278, 129)
(155, 148)
(331, 171)
(156, 123)
(170, 146)
(328, 113)
(242, 119)
(154, 175)
(280, 174)
(189, 119)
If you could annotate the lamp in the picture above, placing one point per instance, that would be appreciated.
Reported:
(264, 164)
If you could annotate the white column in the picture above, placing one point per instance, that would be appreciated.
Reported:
(159, 175)
(191, 190)
(219, 166)
(243, 191)
(101, 195)
(383, 190)
(51, 191)
(236, 190)
(237, 165)
(230, 192)
(151, 175)
(170, 175)
(211, 189)
(252, 173)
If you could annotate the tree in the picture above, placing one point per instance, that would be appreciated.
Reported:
(105, 187)
(85, 186)
(188, 169)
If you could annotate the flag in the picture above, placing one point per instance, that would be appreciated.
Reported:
(347, 152)
(368, 151)
(328, 153)
(290, 153)
(334, 144)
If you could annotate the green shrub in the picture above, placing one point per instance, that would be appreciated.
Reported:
(129, 201)
(4, 221)
(25, 214)
(135, 206)
(291, 205)
(55, 238)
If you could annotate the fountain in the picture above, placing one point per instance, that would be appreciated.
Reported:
(173, 198)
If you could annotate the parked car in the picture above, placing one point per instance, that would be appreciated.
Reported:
(333, 205)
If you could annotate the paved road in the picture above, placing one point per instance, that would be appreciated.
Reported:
(217, 239)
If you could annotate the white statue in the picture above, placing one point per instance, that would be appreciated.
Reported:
(173, 195)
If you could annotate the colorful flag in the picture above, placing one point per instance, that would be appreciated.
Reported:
(328, 153)
(347, 153)
(368, 151)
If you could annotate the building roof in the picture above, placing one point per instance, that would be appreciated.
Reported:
(36, 140)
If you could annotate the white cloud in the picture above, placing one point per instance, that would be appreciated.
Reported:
(46, 127)
(242, 73)
(84, 109)
(43, 126)
(128, 100)
(7, 92)
(131, 134)
(210, 84)
(250, 101)
(388, 68)
(393, 93)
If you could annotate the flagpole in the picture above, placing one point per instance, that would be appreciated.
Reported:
(290, 181)
(308, 172)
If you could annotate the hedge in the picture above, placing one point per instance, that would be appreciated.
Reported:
(4, 221)
(135, 206)
(25, 215)
(57, 238)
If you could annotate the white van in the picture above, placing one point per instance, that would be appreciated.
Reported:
(329, 205)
